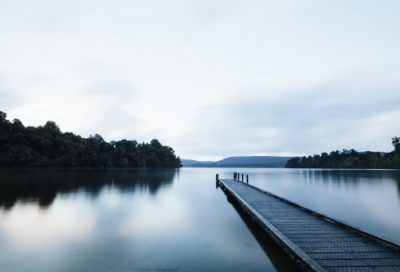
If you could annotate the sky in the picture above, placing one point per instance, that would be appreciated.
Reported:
(211, 79)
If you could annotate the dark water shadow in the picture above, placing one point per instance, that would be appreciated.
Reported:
(278, 257)
(42, 186)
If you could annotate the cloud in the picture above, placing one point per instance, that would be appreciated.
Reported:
(9, 99)
(323, 118)
(209, 79)
(121, 91)
(115, 123)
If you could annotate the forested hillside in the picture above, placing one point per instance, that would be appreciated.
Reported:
(241, 161)
(351, 159)
(48, 146)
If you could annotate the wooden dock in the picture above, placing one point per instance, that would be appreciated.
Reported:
(314, 241)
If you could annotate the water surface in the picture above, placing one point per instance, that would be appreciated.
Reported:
(170, 220)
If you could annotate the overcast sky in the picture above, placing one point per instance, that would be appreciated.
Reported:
(211, 79)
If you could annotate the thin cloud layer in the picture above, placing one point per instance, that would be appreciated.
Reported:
(209, 79)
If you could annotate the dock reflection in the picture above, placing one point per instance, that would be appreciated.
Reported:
(279, 259)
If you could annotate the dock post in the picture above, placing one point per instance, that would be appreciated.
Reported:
(217, 177)
(234, 175)
(247, 178)
(242, 178)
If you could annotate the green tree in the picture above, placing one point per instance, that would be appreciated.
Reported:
(52, 127)
(49, 146)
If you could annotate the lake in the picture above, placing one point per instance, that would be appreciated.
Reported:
(171, 219)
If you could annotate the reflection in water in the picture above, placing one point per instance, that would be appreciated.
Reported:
(169, 220)
(118, 220)
(352, 175)
(43, 185)
(347, 177)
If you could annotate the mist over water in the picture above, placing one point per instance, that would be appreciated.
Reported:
(170, 220)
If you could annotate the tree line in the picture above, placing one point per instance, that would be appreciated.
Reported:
(47, 145)
(351, 159)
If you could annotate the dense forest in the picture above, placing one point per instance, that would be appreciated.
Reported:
(46, 145)
(351, 159)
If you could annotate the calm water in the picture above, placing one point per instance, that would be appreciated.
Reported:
(170, 220)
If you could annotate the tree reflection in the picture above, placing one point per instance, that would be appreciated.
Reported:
(42, 186)
(351, 176)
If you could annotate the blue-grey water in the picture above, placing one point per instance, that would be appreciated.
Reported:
(171, 220)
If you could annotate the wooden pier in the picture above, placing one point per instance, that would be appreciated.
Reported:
(314, 241)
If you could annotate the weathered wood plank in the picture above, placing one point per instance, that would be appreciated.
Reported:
(327, 243)
(333, 239)
(354, 255)
(362, 269)
(347, 263)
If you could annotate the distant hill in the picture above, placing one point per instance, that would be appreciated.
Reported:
(186, 163)
(251, 161)
(258, 160)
